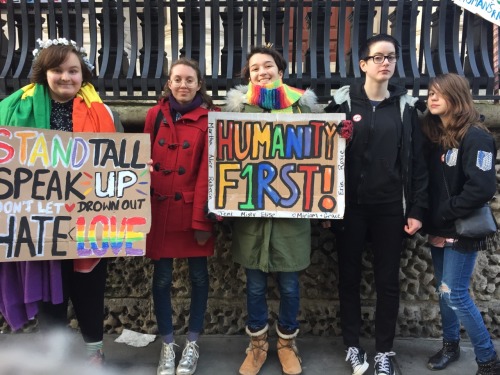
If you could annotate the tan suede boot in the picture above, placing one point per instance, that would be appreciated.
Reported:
(288, 353)
(256, 352)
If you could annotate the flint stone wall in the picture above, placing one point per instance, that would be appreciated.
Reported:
(129, 303)
(129, 300)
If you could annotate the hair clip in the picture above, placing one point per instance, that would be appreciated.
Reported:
(269, 45)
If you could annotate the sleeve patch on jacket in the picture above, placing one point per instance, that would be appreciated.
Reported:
(451, 157)
(484, 160)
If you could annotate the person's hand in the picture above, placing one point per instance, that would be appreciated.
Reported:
(150, 163)
(412, 226)
(201, 236)
(211, 215)
(326, 224)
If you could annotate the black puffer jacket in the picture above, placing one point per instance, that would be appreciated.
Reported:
(384, 160)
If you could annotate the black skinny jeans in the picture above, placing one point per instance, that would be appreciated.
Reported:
(383, 225)
(86, 292)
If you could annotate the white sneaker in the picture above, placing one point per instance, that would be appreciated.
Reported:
(166, 366)
(189, 360)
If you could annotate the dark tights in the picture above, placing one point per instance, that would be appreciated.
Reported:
(86, 292)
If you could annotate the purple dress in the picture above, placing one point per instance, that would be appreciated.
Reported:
(23, 285)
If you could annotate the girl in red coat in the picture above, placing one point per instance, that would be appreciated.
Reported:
(178, 128)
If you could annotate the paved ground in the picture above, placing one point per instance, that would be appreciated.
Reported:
(220, 355)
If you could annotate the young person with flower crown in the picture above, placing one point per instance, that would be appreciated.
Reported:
(60, 97)
(386, 195)
(264, 245)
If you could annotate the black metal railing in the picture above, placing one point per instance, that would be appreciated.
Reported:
(131, 43)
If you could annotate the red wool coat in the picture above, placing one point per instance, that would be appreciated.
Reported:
(179, 184)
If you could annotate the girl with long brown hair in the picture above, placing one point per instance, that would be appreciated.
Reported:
(462, 177)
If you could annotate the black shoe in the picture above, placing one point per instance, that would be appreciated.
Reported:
(450, 352)
(357, 359)
(383, 364)
(489, 368)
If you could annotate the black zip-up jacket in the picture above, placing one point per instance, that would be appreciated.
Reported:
(471, 178)
(384, 160)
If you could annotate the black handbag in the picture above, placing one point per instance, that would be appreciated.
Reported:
(480, 223)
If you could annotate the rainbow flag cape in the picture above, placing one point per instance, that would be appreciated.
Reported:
(30, 106)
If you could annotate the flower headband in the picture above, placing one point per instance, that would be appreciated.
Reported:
(62, 41)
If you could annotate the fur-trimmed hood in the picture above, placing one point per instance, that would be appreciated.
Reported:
(343, 95)
(236, 99)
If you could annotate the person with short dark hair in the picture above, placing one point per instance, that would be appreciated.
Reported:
(462, 177)
(386, 194)
(60, 97)
(270, 245)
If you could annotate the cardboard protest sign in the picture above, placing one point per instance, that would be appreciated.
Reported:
(73, 195)
(489, 10)
(276, 165)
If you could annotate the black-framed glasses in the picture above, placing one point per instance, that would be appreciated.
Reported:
(379, 59)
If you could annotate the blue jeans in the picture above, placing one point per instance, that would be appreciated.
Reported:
(162, 283)
(453, 270)
(288, 284)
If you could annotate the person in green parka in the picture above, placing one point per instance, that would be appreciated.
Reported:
(265, 245)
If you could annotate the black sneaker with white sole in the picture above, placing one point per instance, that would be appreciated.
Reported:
(357, 358)
(383, 364)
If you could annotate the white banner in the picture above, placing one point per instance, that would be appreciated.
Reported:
(489, 10)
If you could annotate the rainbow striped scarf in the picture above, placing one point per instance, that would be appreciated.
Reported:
(30, 106)
(275, 96)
